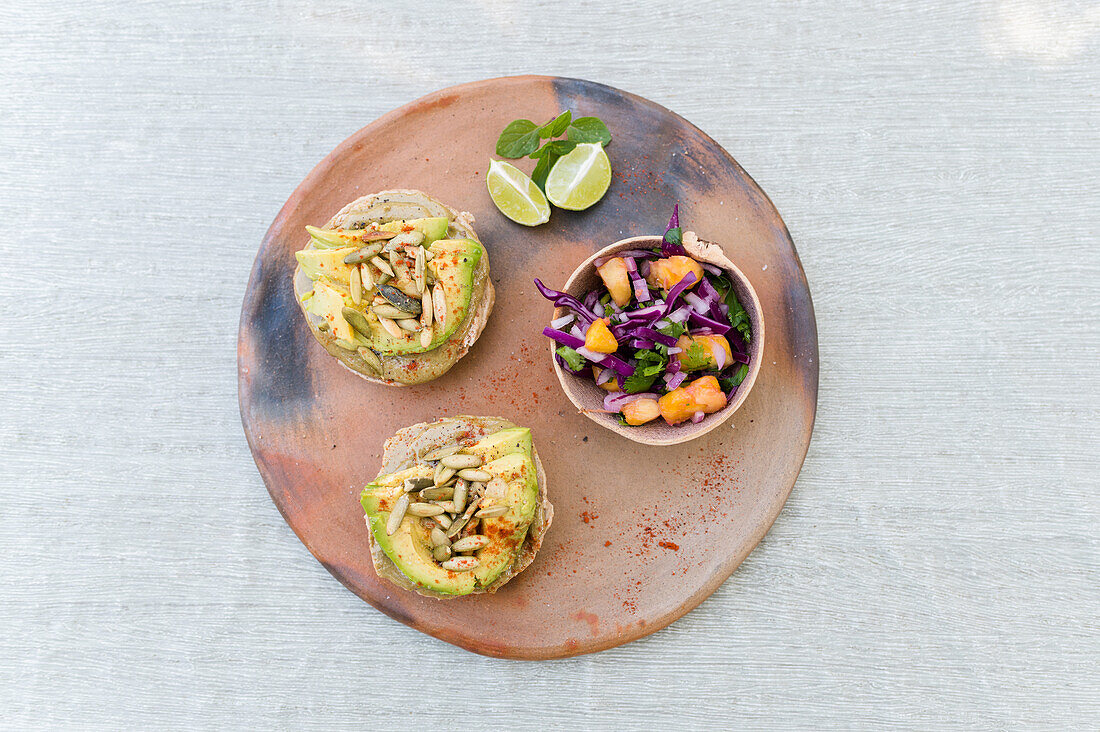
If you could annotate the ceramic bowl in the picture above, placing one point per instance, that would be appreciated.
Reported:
(588, 397)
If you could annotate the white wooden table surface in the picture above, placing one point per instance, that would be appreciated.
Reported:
(937, 563)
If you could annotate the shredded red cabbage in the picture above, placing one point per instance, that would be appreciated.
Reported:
(641, 289)
(565, 300)
(616, 400)
(626, 254)
(669, 246)
(566, 339)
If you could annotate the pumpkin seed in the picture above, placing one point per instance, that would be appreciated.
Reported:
(371, 358)
(444, 520)
(474, 475)
(439, 537)
(392, 328)
(382, 265)
(496, 488)
(447, 506)
(439, 303)
(356, 320)
(458, 461)
(366, 277)
(356, 280)
(491, 512)
(441, 553)
(362, 255)
(407, 238)
(407, 286)
(322, 326)
(456, 526)
(470, 543)
(460, 564)
(443, 474)
(397, 514)
(382, 278)
(459, 495)
(418, 483)
(442, 493)
(378, 235)
(441, 452)
(419, 268)
(388, 311)
(424, 509)
(426, 336)
(410, 324)
(426, 309)
(400, 300)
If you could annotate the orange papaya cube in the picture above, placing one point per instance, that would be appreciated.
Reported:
(677, 406)
(707, 394)
(665, 273)
(641, 411)
(611, 384)
(599, 337)
(617, 280)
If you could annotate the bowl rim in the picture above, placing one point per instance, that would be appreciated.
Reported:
(685, 431)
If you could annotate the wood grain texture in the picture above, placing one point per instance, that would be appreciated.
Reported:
(935, 565)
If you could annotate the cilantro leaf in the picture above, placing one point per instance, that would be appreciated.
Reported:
(732, 382)
(739, 319)
(520, 137)
(588, 129)
(651, 364)
(673, 329)
(575, 360)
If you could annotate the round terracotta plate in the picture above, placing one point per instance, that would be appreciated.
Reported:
(641, 534)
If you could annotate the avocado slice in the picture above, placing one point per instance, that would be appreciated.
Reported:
(334, 238)
(328, 303)
(325, 263)
(504, 442)
(433, 229)
(453, 266)
(410, 547)
(506, 533)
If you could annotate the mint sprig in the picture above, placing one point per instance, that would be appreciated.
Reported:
(522, 137)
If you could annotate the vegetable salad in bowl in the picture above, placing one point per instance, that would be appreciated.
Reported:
(663, 332)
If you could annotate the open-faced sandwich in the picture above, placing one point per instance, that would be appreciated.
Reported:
(396, 286)
(459, 506)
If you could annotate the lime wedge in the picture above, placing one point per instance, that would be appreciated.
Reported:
(580, 178)
(516, 195)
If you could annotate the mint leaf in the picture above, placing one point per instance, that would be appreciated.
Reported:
(588, 129)
(546, 159)
(520, 137)
(575, 360)
(556, 126)
(560, 147)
